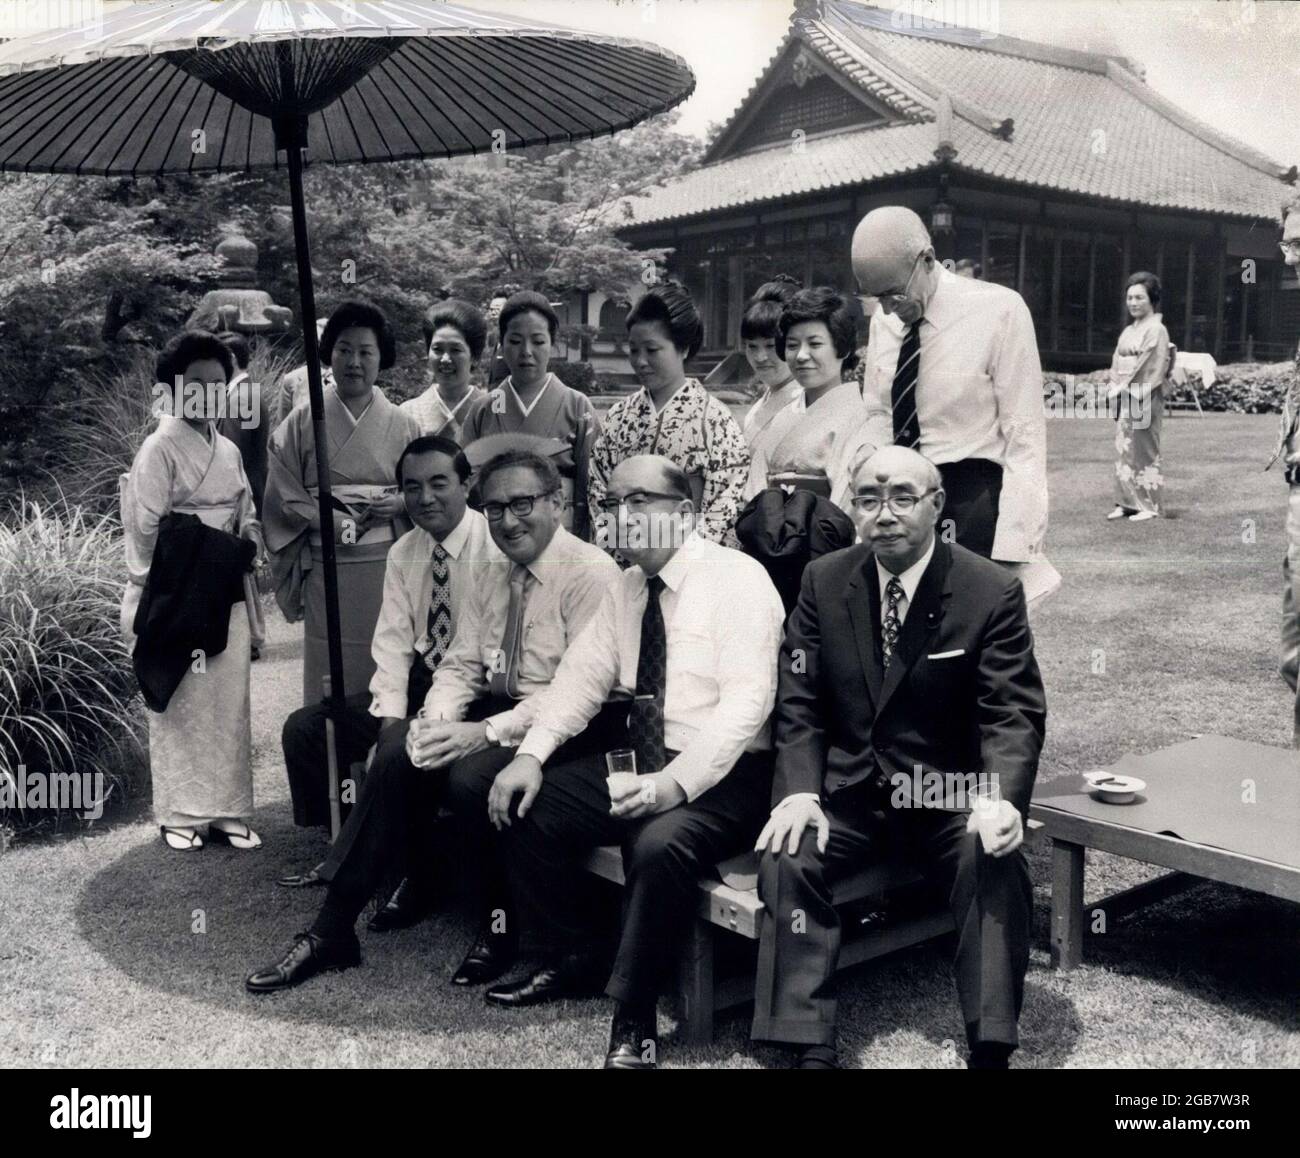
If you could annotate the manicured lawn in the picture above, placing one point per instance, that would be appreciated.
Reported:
(1161, 631)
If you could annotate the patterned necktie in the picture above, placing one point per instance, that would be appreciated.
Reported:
(439, 622)
(505, 684)
(907, 427)
(645, 723)
(890, 624)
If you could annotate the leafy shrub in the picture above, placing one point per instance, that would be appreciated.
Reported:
(578, 375)
(68, 701)
(1239, 387)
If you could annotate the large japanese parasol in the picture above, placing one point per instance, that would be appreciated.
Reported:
(207, 86)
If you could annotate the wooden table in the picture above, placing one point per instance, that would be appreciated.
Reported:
(1192, 787)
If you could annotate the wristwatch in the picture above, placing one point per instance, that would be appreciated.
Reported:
(491, 733)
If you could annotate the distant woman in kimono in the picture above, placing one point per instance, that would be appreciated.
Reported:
(532, 400)
(780, 400)
(367, 434)
(1137, 371)
(200, 746)
(816, 335)
(454, 335)
(674, 415)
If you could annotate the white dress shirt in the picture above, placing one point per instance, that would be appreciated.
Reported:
(979, 394)
(910, 579)
(723, 621)
(564, 589)
(403, 625)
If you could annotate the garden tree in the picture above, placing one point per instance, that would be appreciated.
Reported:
(93, 268)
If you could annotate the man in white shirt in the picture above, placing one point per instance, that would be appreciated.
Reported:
(953, 372)
(692, 632)
(412, 636)
(520, 609)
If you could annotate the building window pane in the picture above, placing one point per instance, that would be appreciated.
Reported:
(1004, 253)
(1072, 322)
(1204, 289)
(1040, 252)
(1173, 290)
(1108, 313)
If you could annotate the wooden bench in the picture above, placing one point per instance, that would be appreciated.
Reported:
(731, 902)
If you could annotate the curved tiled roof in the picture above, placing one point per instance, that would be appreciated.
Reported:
(1083, 124)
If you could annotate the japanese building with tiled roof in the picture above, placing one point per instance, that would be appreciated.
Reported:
(1058, 171)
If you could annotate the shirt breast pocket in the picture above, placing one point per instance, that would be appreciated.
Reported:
(691, 659)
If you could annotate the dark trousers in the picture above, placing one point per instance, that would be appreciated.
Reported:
(991, 901)
(664, 857)
(972, 488)
(390, 825)
(303, 741)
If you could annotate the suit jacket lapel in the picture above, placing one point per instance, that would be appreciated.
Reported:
(864, 613)
(924, 614)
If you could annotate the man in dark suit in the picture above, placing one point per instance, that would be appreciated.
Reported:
(907, 678)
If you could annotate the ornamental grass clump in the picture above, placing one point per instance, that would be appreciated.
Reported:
(72, 730)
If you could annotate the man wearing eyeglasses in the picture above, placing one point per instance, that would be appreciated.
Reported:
(691, 631)
(522, 610)
(1288, 450)
(906, 676)
(953, 372)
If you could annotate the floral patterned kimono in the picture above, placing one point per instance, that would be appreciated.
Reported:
(1138, 371)
(200, 747)
(363, 464)
(695, 431)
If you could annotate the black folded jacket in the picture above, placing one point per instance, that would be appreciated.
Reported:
(196, 576)
(787, 532)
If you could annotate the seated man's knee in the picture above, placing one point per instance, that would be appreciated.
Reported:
(469, 781)
(303, 727)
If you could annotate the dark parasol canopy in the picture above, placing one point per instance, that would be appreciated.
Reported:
(196, 86)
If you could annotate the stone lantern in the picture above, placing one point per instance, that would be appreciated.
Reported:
(238, 304)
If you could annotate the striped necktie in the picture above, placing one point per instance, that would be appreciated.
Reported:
(439, 620)
(907, 427)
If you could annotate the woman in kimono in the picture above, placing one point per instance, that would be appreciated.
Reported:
(674, 415)
(367, 434)
(454, 335)
(1137, 371)
(200, 746)
(533, 401)
(780, 400)
(816, 335)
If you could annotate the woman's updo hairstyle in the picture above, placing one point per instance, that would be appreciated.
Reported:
(364, 315)
(191, 346)
(763, 310)
(670, 304)
(821, 304)
(1147, 281)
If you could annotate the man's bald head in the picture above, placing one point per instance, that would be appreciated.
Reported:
(894, 464)
(650, 472)
(885, 245)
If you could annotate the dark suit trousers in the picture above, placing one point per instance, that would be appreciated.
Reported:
(973, 488)
(303, 741)
(664, 857)
(991, 901)
(390, 825)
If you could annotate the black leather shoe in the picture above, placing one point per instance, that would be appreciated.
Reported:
(308, 955)
(410, 903)
(490, 956)
(573, 977)
(632, 1044)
